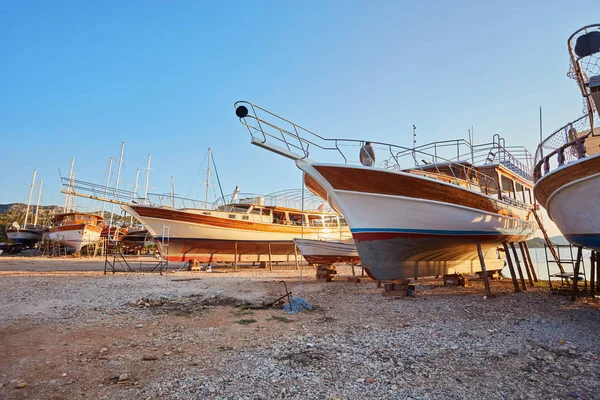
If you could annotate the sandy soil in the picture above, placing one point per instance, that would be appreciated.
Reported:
(68, 331)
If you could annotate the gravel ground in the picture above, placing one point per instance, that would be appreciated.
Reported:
(68, 331)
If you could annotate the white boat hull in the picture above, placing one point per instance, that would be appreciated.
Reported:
(402, 237)
(328, 252)
(75, 237)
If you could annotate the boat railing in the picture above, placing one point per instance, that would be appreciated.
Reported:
(564, 145)
(285, 198)
(281, 136)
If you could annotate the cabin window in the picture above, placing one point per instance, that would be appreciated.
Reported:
(520, 192)
(315, 220)
(343, 222)
(245, 217)
(232, 216)
(529, 197)
(331, 221)
(508, 188)
(255, 210)
(206, 213)
(295, 219)
(279, 217)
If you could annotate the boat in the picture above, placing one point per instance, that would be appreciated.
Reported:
(567, 170)
(135, 240)
(249, 228)
(28, 234)
(75, 230)
(416, 212)
(328, 251)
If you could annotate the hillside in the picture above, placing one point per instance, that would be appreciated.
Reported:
(10, 213)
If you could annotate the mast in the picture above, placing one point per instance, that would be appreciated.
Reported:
(147, 178)
(172, 192)
(207, 178)
(30, 194)
(37, 209)
(67, 197)
(112, 210)
(134, 195)
(107, 183)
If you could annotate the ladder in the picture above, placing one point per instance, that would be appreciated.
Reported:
(548, 241)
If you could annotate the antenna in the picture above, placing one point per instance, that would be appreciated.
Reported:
(172, 192)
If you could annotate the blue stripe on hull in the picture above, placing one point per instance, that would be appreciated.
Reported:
(423, 231)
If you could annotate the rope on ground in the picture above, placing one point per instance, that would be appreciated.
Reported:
(297, 305)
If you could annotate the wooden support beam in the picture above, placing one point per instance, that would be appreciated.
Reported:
(513, 275)
(270, 263)
(593, 273)
(576, 273)
(512, 246)
(529, 275)
(235, 260)
(535, 278)
(486, 278)
(597, 268)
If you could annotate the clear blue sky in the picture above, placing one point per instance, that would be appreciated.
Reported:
(78, 78)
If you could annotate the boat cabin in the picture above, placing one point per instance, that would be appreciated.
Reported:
(496, 180)
(281, 216)
(76, 219)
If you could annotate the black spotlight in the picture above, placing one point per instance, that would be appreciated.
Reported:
(241, 111)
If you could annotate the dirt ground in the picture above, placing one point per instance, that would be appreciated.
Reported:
(69, 331)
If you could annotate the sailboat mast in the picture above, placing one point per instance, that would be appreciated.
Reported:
(147, 178)
(30, 194)
(107, 183)
(112, 210)
(37, 209)
(134, 195)
(67, 197)
(172, 192)
(207, 178)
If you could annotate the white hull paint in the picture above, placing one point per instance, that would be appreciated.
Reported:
(323, 251)
(75, 239)
(574, 209)
(402, 237)
(17, 236)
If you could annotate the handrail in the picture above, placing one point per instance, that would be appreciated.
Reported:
(566, 144)
(293, 141)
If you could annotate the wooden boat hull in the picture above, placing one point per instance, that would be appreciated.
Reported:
(327, 252)
(570, 194)
(407, 226)
(75, 237)
(196, 236)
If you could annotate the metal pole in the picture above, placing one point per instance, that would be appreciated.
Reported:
(107, 183)
(235, 264)
(70, 185)
(134, 195)
(172, 192)
(147, 178)
(112, 210)
(217, 175)
(207, 178)
(593, 273)
(30, 194)
(37, 209)
(541, 136)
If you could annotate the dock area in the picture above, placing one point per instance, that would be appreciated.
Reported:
(69, 330)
